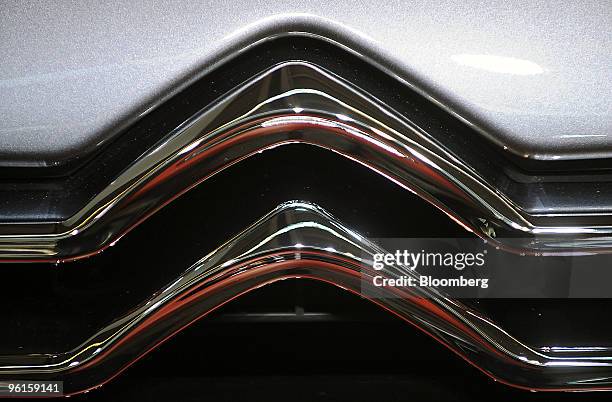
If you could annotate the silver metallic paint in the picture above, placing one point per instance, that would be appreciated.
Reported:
(532, 76)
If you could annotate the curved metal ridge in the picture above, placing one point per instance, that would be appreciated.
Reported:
(298, 102)
(300, 240)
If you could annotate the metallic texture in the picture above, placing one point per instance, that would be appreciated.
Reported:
(300, 103)
(534, 77)
(300, 240)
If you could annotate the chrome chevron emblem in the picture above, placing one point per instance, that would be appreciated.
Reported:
(298, 102)
(301, 240)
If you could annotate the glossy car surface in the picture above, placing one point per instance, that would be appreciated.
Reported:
(160, 163)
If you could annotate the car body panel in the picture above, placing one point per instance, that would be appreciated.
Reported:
(534, 78)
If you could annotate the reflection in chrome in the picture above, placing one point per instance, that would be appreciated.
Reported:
(300, 240)
(298, 102)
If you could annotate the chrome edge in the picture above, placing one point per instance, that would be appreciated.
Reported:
(299, 102)
(301, 240)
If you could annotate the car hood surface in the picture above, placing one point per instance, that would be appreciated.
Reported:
(534, 78)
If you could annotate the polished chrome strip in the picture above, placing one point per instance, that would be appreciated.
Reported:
(300, 240)
(298, 102)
